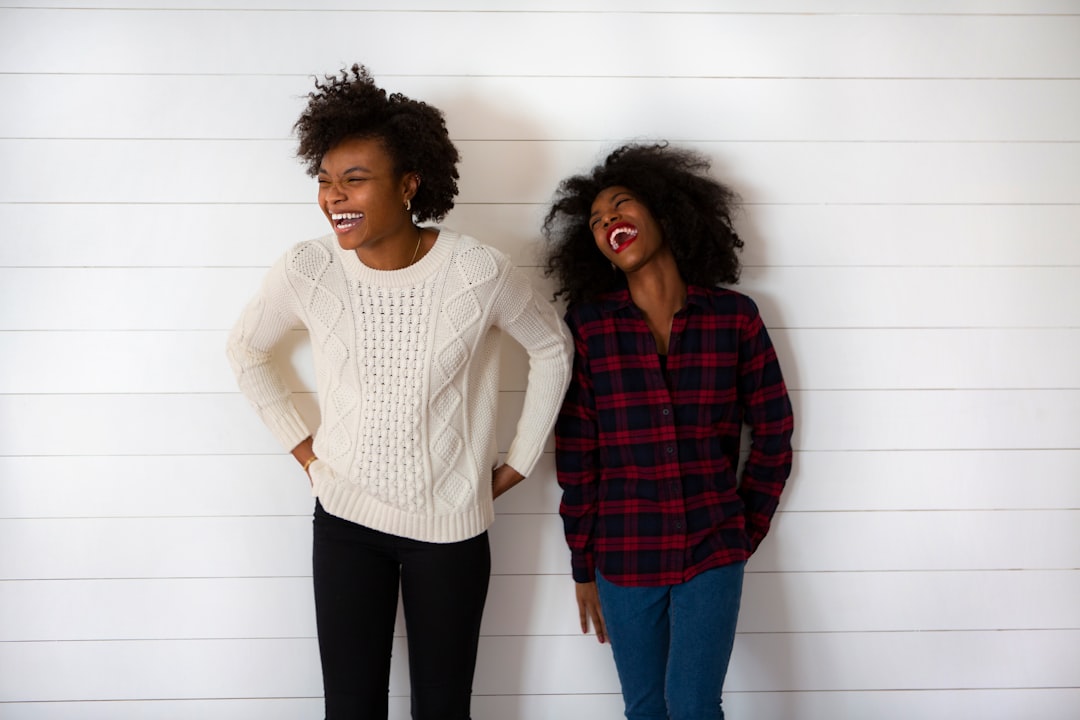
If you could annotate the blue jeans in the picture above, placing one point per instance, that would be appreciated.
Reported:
(672, 643)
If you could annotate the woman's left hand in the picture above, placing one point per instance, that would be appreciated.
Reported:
(503, 478)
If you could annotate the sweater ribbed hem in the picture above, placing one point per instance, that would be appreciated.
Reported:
(357, 506)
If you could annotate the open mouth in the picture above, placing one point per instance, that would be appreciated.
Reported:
(344, 222)
(620, 236)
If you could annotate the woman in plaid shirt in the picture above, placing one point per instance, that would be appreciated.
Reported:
(667, 368)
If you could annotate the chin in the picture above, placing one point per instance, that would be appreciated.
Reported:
(347, 243)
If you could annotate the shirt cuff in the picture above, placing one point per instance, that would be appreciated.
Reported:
(584, 571)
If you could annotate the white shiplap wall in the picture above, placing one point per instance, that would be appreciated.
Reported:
(911, 172)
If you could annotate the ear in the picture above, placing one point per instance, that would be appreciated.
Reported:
(410, 185)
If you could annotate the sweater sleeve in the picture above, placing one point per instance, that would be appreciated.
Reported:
(262, 325)
(767, 410)
(532, 321)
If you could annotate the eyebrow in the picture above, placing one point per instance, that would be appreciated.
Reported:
(357, 168)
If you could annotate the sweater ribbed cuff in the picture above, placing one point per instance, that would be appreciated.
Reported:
(288, 426)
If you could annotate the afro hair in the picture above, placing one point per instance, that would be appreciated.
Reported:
(350, 105)
(693, 210)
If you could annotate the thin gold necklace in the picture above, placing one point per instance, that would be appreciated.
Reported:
(419, 237)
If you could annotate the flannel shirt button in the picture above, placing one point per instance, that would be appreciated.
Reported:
(666, 411)
(678, 526)
(670, 449)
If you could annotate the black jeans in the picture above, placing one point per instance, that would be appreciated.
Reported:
(357, 573)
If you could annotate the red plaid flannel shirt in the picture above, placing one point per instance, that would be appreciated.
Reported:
(647, 464)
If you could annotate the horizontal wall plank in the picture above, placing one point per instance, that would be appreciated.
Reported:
(936, 540)
(839, 602)
(110, 425)
(265, 171)
(114, 235)
(923, 235)
(934, 480)
(988, 704)
(899, 358)
(546, 108)
(863, 661)
(750, 45)
(160, 547)
(915, 297)
(821, 7)
(813, 359)
(534, 605)
(825, 420)
(255, 235)
(936, 420)
(1047, 704)
(889, 173)
(534, 544)
(163, 362)
(137, 298)
(127, 298)
(144, 670)
(193, 486)
(251, 235)
(543, 665)
(250, 485)
(153, 486)
(160, 609)
(821, 297)
(118, 424)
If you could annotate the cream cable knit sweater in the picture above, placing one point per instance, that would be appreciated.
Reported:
(407, 371)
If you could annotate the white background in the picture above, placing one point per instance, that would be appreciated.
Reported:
(911, 178)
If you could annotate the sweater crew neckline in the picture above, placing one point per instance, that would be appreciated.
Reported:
(408, 276)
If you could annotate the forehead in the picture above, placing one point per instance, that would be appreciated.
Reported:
(366, 152)
(607, 195)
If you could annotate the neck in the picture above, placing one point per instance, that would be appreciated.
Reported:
(659, 292)
(395, 252)
(658, 287)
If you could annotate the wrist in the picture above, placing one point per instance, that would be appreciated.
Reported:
(309, 461)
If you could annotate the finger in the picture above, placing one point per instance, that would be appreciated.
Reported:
(601, 627)
(596, 616)
(583, 615)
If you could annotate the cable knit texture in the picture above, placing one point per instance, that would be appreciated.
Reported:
(407, 370)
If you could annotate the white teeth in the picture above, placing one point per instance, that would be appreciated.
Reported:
(346, 216)
(613, 239)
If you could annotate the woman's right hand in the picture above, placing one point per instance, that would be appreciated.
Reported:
(305, 455)
(589, 611)
(307, 469)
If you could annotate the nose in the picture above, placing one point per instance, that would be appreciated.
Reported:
(334, 191)
(610, 217)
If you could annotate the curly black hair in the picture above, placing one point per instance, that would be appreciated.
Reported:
(694, 212)
(343, 107)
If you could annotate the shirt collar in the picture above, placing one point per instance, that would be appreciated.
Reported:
(617, 300)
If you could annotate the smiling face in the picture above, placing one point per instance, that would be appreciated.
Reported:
(364, 198)
(625, 230)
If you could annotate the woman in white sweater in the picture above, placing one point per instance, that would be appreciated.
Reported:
(404, 324)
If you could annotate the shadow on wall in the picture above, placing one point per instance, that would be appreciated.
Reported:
(763, 666)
